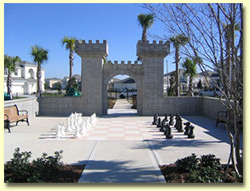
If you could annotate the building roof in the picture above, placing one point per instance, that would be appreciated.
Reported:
(25, 63)
(181, 73)
(128, 80)
(77, 77)
(52, 79)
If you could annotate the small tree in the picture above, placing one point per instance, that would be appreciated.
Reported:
(39, 55)
(178, 40)
(190, 70)
(9, 63)
(171, 89)
(70, 45)
(72, 83)
(59, 87)
(146, 21)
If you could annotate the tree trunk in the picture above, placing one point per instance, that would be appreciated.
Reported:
(177, 90)
(38, 75)
(190, 88)
(9, 84)
(144, 35)
(71, 57)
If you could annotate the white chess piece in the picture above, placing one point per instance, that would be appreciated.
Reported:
(77, 134)
(68, 128)
(83, 128)
(88, 125)
(58, 131)
(62, 124)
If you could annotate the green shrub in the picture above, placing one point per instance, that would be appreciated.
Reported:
(210, 161)
(206, 175)
(19, 169)
(187, 164)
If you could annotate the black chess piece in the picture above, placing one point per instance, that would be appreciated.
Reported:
(162, 125)
(155, 119)
(159, 122)
(169, 134)
(171, 122)
(166, 117)
(165, 129)
(180, 128)
(191, 132)
(186, 128)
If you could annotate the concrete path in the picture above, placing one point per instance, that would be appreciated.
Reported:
(122, 107)
(119, 162)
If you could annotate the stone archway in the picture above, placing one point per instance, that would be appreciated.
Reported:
(96, 74)
(134, 74)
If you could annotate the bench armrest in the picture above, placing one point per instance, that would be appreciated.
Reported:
(23, 111)
(222, 114)
(6, 116)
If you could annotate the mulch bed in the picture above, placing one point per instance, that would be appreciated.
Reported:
(70, 173)
(172, 175)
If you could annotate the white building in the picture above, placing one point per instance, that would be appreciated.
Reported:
(51, 82)
(24, 80)
(121, 85)
(184, 80)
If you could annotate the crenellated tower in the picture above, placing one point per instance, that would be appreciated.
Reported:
(152, 56)
(92, 55)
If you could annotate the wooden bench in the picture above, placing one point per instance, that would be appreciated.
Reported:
(12, 114)
(222, 118)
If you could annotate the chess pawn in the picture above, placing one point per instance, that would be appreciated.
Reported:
(159, 122)
(83, 128)
(162, 125)
(186, 128)
(77, 134)
(88, 125)
(58, 132)
(155, 119)
(62, 124)
(166, 117)
(180, 128)
(68, 128)
(171, 122)
(165, 129)
(169, 134)
(191, 132)
(79, 121)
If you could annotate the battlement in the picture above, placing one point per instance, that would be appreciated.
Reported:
(121, 65)
(91, 49)
(154, 49)
(97, 42)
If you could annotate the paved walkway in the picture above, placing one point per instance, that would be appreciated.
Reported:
(121, 108)
(118, 149)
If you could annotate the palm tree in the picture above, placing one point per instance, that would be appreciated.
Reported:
(70, 45)
(9, 63)
(190, 70)
(39, 55)
(179, 40)
(146, 21)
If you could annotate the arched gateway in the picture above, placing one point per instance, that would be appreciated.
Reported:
(96, 75)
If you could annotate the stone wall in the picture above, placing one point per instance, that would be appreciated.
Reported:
(211, 106)
(200, 106)
(29, 104)
(181, 105)
(60, 106)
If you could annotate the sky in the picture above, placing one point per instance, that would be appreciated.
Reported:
(26, 25)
